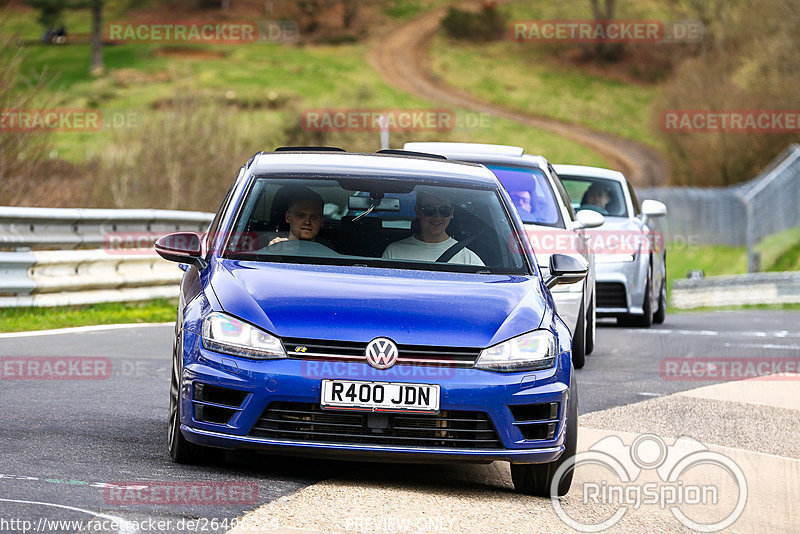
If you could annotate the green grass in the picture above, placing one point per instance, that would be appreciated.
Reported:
(266, 82)
(407, 9)
(527, 78)
(712, 260)
(528, 82)
(781, 251)
(29, 319)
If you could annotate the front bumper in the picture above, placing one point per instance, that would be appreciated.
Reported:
(620, 288)
(299, 381)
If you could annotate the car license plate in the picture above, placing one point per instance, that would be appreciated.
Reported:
(380, 396)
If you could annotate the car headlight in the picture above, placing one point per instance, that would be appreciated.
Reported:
(528, 352)
(613, 258)
(230, 335)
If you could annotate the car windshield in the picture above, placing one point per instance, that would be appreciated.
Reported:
(597, 194)
(531, 193)
(386, 222)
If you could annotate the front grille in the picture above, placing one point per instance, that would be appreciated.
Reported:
(315, 349)
(611, 295)
(308, 422)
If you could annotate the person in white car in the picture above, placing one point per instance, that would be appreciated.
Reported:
(432, 241)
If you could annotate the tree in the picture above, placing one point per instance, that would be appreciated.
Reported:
(50, 11)
(97, 37)
(50, 15)
(603, 10)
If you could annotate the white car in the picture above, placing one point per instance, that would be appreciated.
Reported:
(631, 260)
(550, 222)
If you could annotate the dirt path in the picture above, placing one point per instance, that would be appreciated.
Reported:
(401, 57)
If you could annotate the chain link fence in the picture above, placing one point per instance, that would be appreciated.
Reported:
(738, 215)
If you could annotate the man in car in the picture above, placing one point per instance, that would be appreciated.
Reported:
(522, 201)
(596, 198)
(434, 215)
(304, 216)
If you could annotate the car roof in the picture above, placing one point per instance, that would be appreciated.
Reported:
(373, 165)
(481, 153)
(589, 172)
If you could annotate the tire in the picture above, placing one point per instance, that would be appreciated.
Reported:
(645, 320)
(536, 479)
(181, 450)
(661, 312)
(591, 327)
(579, 342)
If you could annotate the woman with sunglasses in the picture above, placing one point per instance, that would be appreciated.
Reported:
(434, 215)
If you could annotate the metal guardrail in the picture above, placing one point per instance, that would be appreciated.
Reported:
(85, 267)
(738, 215)
(736, 290)
(83, 228)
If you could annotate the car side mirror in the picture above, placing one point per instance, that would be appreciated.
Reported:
(181, 247)
(589, 219)
(566, 270)
(653, 208)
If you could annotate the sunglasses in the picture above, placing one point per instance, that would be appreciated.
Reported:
(431, 211)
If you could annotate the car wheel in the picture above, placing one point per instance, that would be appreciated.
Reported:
(661, 312)
(591, 327)
(181, 450)
(579, 342)
(536, 479)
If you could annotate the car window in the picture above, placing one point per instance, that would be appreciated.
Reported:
(531, 193)
(480, 235)
(584, 190)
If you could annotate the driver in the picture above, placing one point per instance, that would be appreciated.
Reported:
(434, 214)
(596, 198)
(304, 215)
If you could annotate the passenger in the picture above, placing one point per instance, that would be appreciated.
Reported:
(522, 201)
(596, 198)
(434, 215)
(304, 215)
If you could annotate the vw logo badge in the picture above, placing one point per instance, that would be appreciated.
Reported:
(381, 353)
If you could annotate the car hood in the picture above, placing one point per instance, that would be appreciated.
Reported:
(361, 303)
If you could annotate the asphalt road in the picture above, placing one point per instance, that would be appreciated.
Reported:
(63, 440)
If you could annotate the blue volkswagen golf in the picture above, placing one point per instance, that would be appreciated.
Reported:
(382, 307)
